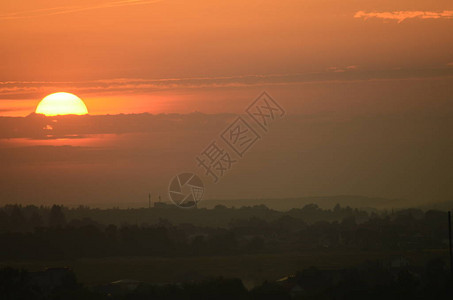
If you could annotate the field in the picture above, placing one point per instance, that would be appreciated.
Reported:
(252, 269)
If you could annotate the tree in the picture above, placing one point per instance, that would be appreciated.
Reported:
(36, 220)
(56, 217)
(18, 222)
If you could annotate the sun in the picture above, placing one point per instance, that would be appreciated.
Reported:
(61, 104)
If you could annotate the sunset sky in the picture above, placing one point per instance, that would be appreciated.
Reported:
(367, 86)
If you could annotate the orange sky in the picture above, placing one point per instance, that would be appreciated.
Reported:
(367, 86)
(73, 46)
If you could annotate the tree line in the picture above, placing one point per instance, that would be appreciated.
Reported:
(47, 233)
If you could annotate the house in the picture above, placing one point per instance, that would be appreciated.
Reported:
(126, 285)
(291, 285)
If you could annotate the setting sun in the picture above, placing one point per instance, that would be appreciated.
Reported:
(61, 104)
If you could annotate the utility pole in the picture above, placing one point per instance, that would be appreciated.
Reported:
(449, 239)
(149, 200)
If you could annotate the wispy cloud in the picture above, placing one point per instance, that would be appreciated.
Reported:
(402, 15)
(342, 69)
(33, 89)
(72, 9)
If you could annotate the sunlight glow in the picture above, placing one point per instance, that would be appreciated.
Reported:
(61, 104)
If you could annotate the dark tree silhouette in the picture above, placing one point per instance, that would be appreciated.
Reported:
(56, 217)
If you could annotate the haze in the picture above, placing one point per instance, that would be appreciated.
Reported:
(367, 87)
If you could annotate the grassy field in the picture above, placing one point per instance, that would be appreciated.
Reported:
(252, 269)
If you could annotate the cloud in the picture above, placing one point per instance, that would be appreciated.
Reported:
(40, 127)
(2, 109)
(146, 151)
(35, 89)
(402, 15)
(72, 9)
(341, 69)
